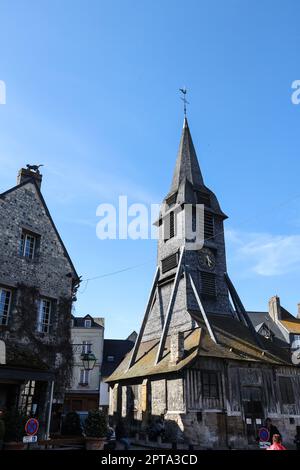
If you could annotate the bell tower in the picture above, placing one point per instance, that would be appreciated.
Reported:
(191, 281)
(191, 207)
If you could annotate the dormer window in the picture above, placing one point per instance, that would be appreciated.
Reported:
(28, 245)
(87, 323)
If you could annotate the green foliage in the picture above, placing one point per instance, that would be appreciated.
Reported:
(14, 426)
(95, 424)
(71, 425)
(44, 349)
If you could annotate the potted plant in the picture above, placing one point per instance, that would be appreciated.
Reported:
(95, 429)
(71, 425)
(14, 430)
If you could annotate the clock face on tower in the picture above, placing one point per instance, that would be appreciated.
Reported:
(206, 259)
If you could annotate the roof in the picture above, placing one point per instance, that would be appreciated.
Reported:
(258, 318)
(288, 321)
(32, 181)
(187, 165)
(293, 326)
(79, 322)
(116, 348)
(234, 341)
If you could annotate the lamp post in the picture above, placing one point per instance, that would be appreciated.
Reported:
(88, 361)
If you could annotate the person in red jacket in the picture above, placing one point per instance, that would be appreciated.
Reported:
(276, 443)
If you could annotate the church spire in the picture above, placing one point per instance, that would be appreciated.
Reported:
(187, 165)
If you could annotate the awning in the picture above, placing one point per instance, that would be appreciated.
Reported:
(24, 374)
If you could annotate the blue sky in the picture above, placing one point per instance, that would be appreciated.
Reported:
(92, 93)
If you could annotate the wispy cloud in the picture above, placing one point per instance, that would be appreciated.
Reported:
(263, 253)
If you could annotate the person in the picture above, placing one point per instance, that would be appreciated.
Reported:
(272, 429)
(110, 437)
(297, 438)
(2, 427)
(122, 435)
(276, 443)
(157, 428)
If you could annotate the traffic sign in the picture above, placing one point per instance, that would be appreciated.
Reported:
(32, 427)
(263, 434)
(29, 439)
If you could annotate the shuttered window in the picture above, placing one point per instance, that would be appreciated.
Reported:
(210, 386)
(208, 284)
(208, 225)
(286, 391)
(169, 226)
(169, 263)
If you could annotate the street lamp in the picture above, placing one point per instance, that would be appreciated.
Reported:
(88, 361)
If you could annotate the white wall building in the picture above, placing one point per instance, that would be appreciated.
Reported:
(87, 337)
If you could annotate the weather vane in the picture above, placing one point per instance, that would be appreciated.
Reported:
(184, 92)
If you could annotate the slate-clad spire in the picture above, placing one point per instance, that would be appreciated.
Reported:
(187, 165)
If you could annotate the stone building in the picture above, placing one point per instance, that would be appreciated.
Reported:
(201, 360)
(87, 335)
(38, 284)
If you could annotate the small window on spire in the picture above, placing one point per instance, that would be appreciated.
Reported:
(208, 225)
(171, 200)
(169, 226)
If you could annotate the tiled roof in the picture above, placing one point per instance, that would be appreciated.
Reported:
(79, 322)
(234, 341)
(293, 326)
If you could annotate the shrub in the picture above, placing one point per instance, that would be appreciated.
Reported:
(95, 424)
(71, 425)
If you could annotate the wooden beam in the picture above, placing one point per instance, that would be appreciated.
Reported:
(149, 303)
(170, 308)
(208, 325)
(239, 306)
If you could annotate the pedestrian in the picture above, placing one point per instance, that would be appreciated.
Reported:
(276, 443)
(297, 438)
(2, 428)
(272, 429)
(122, 435)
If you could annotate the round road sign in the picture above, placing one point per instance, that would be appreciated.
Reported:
(32, 427)
(264, 435)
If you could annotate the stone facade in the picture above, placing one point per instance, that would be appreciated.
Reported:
(38, 282)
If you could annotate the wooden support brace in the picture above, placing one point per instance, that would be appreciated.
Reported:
(140, 335)
(241, 309)
(170, 308)
(208, 325)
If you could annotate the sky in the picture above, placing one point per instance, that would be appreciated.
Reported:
(92, 93)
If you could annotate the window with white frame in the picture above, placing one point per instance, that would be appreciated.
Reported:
(28, 244)
(5, 300)
(44, 316)
(87, 323)
(84, 377)
(86, 347)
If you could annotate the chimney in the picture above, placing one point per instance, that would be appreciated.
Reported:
(27, 174)
(274, 308)
(298, 314)
(176, 347)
